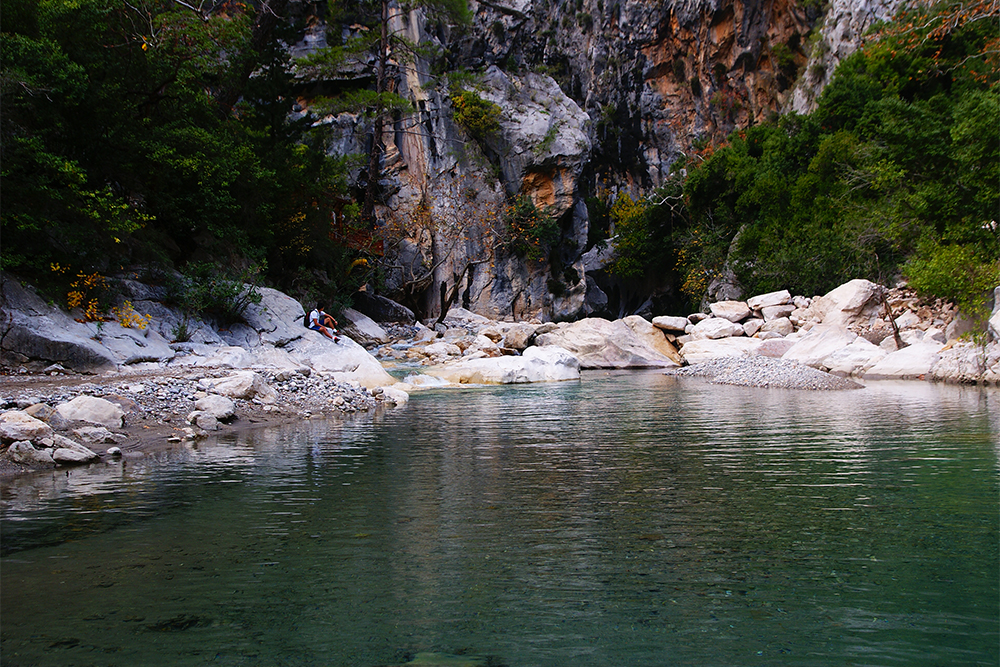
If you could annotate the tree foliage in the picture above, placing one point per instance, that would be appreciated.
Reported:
(896, 170)
(133, 134)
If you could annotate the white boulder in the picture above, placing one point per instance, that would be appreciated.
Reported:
(716, 327)
(537, 364)
(220, 407)
(17, 425)
(671, 323)
(705, 349)
(734, 311)
(26, 453)
(92, 410)
(913, 362)
(855, 302)
(781, 325)
(777, 312)
(244, 384)
(770, 299)
(855, 358)
(818, 344)
(600, 343)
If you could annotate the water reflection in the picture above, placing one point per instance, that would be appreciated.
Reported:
(630, 518)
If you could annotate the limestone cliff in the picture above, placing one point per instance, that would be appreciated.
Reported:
(595, 96)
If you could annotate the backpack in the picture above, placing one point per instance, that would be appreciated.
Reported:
(305, 320)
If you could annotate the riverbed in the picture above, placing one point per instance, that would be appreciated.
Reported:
(630, 518)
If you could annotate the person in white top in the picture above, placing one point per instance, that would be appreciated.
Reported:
(323, 322)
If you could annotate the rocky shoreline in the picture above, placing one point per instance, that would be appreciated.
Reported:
(73, 393)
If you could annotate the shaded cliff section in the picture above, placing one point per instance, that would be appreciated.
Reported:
(595, 97)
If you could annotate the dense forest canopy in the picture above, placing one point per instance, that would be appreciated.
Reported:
(158, 134)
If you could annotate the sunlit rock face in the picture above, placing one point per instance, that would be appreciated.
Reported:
(595, 97)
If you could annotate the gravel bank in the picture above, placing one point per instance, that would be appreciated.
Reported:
(760, 371)
(156, 405)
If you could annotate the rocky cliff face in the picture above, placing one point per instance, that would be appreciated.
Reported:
(596, 96)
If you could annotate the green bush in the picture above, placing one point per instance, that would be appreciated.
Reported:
(530, 231)
(479, 117)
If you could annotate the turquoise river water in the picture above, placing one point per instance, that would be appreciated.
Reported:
(628, 519)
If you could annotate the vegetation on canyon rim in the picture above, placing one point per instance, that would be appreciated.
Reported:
(123, 146)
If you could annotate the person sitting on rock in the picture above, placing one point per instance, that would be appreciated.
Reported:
(323, 322)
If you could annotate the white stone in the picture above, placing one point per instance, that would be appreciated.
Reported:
(815, 347)
(92, 410)
(915, 361)
(518, 336)
(245, 384)
(94, 435)
(770, 299)
(64, 455)
(395, 394)
(907, 320)
(775, 347)
(537, 364)
(671, 323)
(734, 311)
(220, 407)
(752, 326)
(706, 348)
(600, 343)
(441, 349)
(716, 327)
(17, 425)
(856, 358)
(653, 337)
(855, 302)
(777, 312)
(782, 326)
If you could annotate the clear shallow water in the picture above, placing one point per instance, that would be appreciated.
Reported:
(629, 519)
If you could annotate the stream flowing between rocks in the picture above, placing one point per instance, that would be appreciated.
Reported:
(630, 519)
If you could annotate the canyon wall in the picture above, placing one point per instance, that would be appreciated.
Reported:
(595, 97)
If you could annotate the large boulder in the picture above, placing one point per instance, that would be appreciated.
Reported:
(913, 362)
(814, 348)
(381, 309)
(27, 454)
(17, 425)
(38, 331)
(277, 319)
(346, 359)
(771, 299)
(537, 364)
(716, 327)
(704, 349)
(220, 407)
(362, 329)
(857, 302)
(92, 410)
(246, 385)
(600, 343)
(671, 323)
(653, 337)
(734, 311)
(854, 359)
(519, 336)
